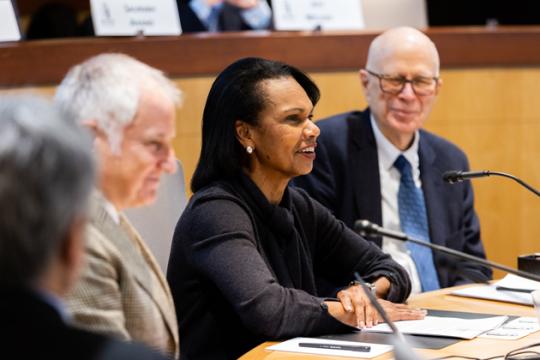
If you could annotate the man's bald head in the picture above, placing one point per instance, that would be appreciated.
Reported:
(402, 39)
(405, 59)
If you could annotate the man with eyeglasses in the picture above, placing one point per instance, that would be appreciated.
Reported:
(378, 164)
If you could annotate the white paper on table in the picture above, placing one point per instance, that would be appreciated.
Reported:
(444, 326)
(514, 329)
(292, 346)
(511, 281)
(490, 292)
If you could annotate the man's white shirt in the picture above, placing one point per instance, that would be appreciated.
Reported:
(389, 178)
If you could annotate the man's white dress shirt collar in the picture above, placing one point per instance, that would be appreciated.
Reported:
(388, 152)
(111, 210)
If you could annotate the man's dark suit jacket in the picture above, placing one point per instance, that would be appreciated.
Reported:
(345, 178)
(33, 329)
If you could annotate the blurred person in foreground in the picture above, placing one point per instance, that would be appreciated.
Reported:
(129, 108)
(380, 165)
(248, 251)
(46, 177)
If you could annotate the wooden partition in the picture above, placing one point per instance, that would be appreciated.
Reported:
(488, 104)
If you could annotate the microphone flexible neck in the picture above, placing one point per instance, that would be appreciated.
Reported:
(365, 227)
(455, 176)
(519, 181)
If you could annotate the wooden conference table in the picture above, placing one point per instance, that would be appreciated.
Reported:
(437, 300)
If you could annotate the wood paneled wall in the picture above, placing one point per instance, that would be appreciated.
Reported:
(493, 115)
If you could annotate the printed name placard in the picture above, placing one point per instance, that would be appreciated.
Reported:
(9, 26)
(318, 14)
(132, 17)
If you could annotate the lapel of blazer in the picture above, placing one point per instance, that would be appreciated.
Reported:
(432, 183)
(138, 258)
(167, 310)
(364, 169)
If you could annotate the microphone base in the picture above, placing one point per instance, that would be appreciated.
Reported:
(529, 263)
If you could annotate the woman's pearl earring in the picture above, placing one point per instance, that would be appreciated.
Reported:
(249, 149)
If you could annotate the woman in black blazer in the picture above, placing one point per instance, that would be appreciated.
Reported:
(249, 253)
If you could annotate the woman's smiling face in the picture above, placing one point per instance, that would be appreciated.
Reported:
(285, 136)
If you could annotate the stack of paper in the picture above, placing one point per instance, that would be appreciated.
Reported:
(512, 288)
(444, 326)
(516, 283)
(513, 330)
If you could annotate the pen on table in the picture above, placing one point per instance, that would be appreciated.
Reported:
(360, 348)
(503, 288)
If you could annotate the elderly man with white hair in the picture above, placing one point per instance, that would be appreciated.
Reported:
(380, 165)
(46, 177)
(129, 107)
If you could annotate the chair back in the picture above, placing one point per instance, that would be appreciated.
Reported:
(157, 221)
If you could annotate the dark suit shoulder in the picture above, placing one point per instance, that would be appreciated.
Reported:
(338, 124)
(115, 349)
(98, 347)
(32, 328)
(443, 148)
(346, 131)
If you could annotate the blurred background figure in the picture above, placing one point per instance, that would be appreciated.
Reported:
(129, 107)
(53, 20)
(224, 15)
(58, 19)
(45, 182)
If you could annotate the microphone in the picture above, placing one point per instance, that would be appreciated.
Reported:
(455, 176)
(402, 350)
(367, 228)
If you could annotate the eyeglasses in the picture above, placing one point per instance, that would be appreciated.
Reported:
(421, 85)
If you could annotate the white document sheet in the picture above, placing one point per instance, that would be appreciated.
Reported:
(513, 330)
(444, 326)
(490, 292)
(293, 345)
(515, 282)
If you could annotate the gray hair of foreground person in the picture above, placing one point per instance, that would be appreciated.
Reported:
(46, 176)
(106, 88)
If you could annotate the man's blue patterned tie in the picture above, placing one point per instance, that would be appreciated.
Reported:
(413, 219)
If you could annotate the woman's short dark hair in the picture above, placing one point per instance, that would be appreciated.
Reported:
(236, 95)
